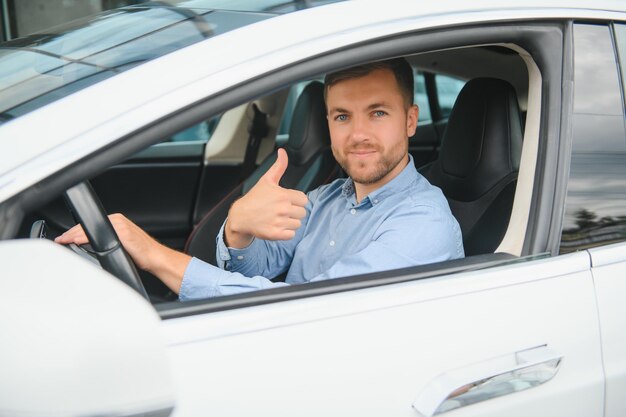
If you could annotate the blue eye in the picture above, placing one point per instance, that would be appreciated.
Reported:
(341, 118)
(379, 113)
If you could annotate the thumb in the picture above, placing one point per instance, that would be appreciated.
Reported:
(275, 173)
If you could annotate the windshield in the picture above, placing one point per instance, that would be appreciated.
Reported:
(273, 6)
(44, 67)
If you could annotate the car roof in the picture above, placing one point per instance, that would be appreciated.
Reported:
(45, 140)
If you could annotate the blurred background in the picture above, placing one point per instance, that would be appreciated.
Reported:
(24, 17)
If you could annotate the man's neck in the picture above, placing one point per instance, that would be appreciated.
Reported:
(363, 190)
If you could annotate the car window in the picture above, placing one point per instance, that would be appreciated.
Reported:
(199, 132)
(274, 6)
(596, 197)
(44, 67)
(231, 159)
(421, 97)
(448, 88)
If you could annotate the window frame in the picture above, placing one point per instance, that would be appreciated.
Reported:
(620, 59)
(609, 26)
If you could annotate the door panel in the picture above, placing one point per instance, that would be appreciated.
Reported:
(609, 276)
(163, 197)
(372, 352)
(157, 196)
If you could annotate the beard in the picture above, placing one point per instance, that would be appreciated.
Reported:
(369, 172)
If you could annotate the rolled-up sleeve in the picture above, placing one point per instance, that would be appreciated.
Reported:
(244, 261)
(203, 280)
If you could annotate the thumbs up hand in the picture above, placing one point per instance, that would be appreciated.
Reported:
(267, 211)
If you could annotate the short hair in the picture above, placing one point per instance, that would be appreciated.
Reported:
(400, 68)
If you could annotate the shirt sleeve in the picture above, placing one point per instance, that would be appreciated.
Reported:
(239, 270)
(203, 280)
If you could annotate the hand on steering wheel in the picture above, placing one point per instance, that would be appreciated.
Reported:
(96, 229)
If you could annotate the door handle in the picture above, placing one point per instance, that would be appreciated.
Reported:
(489, 379)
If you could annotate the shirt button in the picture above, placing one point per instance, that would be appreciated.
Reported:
(375, 201)
(353, 211)
(332, 243)
(240, 257)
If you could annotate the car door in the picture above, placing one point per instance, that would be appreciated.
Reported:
(609, 270)
(401, 350)
(516, 336)
(596, 202)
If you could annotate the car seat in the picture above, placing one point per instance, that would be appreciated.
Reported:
(479, 161)
(311, 164)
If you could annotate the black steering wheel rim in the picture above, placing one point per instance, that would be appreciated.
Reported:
(88, 210)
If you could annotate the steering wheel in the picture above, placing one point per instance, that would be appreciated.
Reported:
(105, 243)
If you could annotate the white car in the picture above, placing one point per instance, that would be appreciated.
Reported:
(152, 104)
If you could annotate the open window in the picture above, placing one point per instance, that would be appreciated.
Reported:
(171, 195)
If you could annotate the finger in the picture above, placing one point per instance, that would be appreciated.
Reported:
(292, 224)
(284, 234)
(275, 173)
(77, 236)
(74, 235)
(298, 198)
(65, 237)
(296, 212)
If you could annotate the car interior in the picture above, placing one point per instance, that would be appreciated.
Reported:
(481, 151)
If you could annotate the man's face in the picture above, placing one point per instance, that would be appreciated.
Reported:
(369, 127)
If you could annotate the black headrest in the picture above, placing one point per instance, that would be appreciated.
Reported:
(308, 132)
(483, 139)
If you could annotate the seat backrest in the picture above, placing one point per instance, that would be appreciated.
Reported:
(311, 164)
(479, 161)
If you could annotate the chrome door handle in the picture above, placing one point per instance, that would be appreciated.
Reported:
(489, 379)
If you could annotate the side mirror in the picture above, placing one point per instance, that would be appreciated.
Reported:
(75, 340)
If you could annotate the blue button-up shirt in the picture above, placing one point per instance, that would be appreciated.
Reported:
(404, 223)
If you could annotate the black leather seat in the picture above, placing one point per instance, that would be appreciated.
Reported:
(479, 161)
(311, 164)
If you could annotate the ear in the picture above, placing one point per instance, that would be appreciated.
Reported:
(411, 120)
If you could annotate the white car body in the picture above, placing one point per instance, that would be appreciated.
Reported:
(377, 351)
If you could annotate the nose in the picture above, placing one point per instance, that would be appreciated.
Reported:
(359, 129)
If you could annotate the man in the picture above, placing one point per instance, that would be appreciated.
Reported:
(384, 216)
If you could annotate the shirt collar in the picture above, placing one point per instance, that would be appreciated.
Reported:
(402, 181)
